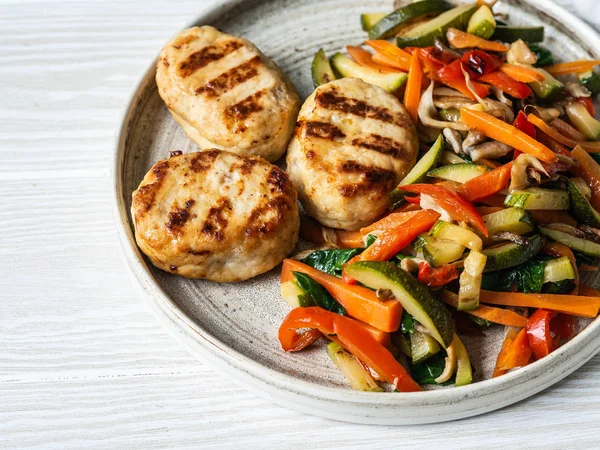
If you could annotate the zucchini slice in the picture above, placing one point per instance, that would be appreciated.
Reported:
(392, 23)
(515, 220)
(511, 34)
(454, 233)
(464, 371)
(452, 158)
(422, 346)
(416, 298)
(460, 173)
(482, 23)
(548, 89)
(538, 198)
(583, 120)
(591, 81)
(558, 270)
(510, 255)
(352, 370)
(368, 20)
(581, 245)
(581, 207)
(425, 34)
(348, 68)
(294, 295)
(439, 251)
(321, 69)
(450, 114)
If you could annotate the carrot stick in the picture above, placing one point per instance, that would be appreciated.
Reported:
(589, 146)
(578, 66)
(359, 302)
(568, 304)
(508, 134)
(389, 222)
(460, 39)
(389, 61)
(487, 184)
(395, 239)
(412, 95)
(522, 73)
(511, 334)
(517, 354)
(496, 315)
(589, 170)
(391, 51)
(364, 58)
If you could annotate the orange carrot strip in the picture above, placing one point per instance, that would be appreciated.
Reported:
(359, 302)
(389, 49)
(496, 315)
(589, 170)
(508, 134)
(522, 73)
(389, 61)
(412, 95)
(578, 66)
(460, 39)
(589, 146)
(518, 353)
(568, 304)
(487, 184)
(390, 221)
(511, 334)
(365, 58)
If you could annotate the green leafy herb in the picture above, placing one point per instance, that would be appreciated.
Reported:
(427, 371)
(319, 294)
(527, 277)
(544, 55)
(479, 321)
(407, 324)
(396, 199)
(370, 239)
(330, 261)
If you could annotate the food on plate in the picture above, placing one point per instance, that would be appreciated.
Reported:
(497, 225)
(215, 215)
(226, 93)
(353, 143)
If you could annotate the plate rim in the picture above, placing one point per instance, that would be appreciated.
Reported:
(324, 401)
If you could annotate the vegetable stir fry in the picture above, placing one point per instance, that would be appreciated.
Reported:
(495, 222)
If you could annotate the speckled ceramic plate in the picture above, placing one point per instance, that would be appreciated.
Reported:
(234, 326)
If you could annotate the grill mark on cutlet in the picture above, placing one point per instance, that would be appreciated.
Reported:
(178, 217)
(323, 130)
(205, 56)
(203, 160)
(373, 179)
(217, 219)
(230, 79)
(333, 101)
(145, 195)
(243, 109)
(381, 144)
(265, 219)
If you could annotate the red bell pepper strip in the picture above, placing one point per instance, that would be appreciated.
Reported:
(436, 276)
(479, 63)
(393, 240)
(506, 84)
(563, 326)
(352, 337)
(487, 184)
(414, 200)
(452, 75)
(461, 39)
(457, 207)
(538, 332)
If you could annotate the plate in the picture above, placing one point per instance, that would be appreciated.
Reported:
(234, 326)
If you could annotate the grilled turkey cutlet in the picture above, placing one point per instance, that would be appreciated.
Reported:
(226, 93)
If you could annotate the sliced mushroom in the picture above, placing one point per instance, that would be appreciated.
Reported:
(454, 139)
(508, 236)
(546, 114)
(577, 90)
(521, 170)
(592, 234)
(489, 150)
(451, 101)
(474, 137)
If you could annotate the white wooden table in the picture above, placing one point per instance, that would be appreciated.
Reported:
(83, 361)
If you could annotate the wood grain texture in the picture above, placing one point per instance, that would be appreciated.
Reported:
(83, 362)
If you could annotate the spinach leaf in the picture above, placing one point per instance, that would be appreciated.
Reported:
(527, 277)
(319, 294)
(407, 324)
(544, 55)
(559, 287)
(581, 258)
(370, 239)
(330, 261)
(427, 371)
(479, 321)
